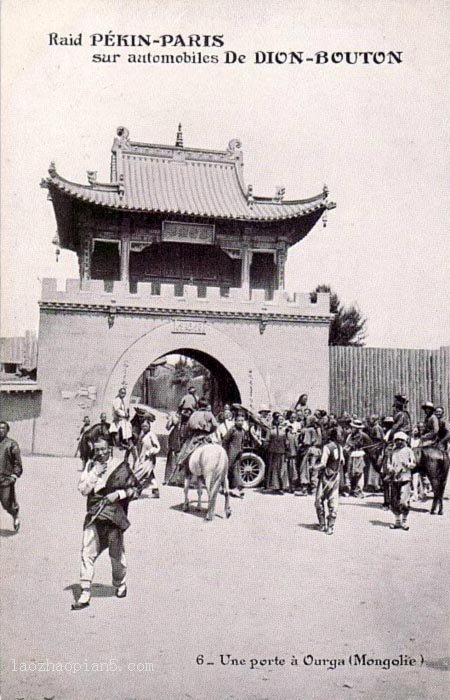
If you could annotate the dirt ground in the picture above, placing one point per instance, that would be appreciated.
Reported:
(264, 585)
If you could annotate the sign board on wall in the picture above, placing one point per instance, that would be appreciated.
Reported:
(180, 232)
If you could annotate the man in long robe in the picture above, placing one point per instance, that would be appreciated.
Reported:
(233, 443)
(121, 428)
(276, 450)
(147, 448)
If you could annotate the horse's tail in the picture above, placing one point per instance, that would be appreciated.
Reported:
(220, 467)
(218, 474)
(444, 467)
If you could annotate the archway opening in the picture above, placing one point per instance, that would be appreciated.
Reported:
(168, 377)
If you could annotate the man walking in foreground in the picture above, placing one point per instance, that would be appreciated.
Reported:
(10, 471)
(327, 491)
(109, 486)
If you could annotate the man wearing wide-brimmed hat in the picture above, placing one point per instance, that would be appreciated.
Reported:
(400, 463)
(431, 425)
(265, 412)
(356, 457)
(402, 419)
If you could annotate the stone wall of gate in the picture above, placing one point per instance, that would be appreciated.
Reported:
(91, 342)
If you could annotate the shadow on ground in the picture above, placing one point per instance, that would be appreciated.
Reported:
(379, 523)
(98, 590)
(7, 533)
(309, 526)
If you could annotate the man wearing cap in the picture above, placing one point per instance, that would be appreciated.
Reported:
(10, 471)
(431, 425)
(328, 485)
(226, 422)
(400, 464)
(402, 419)
(356, 457)
(264, 413)
(106, 518)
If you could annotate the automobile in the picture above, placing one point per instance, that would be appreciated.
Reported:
(252, 465)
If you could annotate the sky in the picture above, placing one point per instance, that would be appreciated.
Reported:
(376, 135)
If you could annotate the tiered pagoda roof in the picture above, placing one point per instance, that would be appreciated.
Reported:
(189, 182)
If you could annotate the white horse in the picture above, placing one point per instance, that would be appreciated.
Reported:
(208, 463)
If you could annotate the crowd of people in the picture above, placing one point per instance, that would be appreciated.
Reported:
(290, 442)
(304, 452)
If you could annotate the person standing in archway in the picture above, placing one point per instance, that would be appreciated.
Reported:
(121, 428)
(173, 426)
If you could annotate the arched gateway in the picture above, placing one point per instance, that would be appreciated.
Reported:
(175, 255)
(213, 348)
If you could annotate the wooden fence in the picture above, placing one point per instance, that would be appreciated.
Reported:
(364, 380)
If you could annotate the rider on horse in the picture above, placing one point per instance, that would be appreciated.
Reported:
(431, 426)
(200, 426)
(444, 429)
(402, 419)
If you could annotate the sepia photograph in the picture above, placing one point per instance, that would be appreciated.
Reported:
(225, 350)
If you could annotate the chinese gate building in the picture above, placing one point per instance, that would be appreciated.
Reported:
(176, 255)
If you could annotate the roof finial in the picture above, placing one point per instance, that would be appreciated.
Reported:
(179, 141)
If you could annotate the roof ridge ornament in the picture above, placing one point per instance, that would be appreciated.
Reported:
(234, 145)
(92, 177)
(122, 139)
(280, 191)
(179, 139)
(52, 169)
